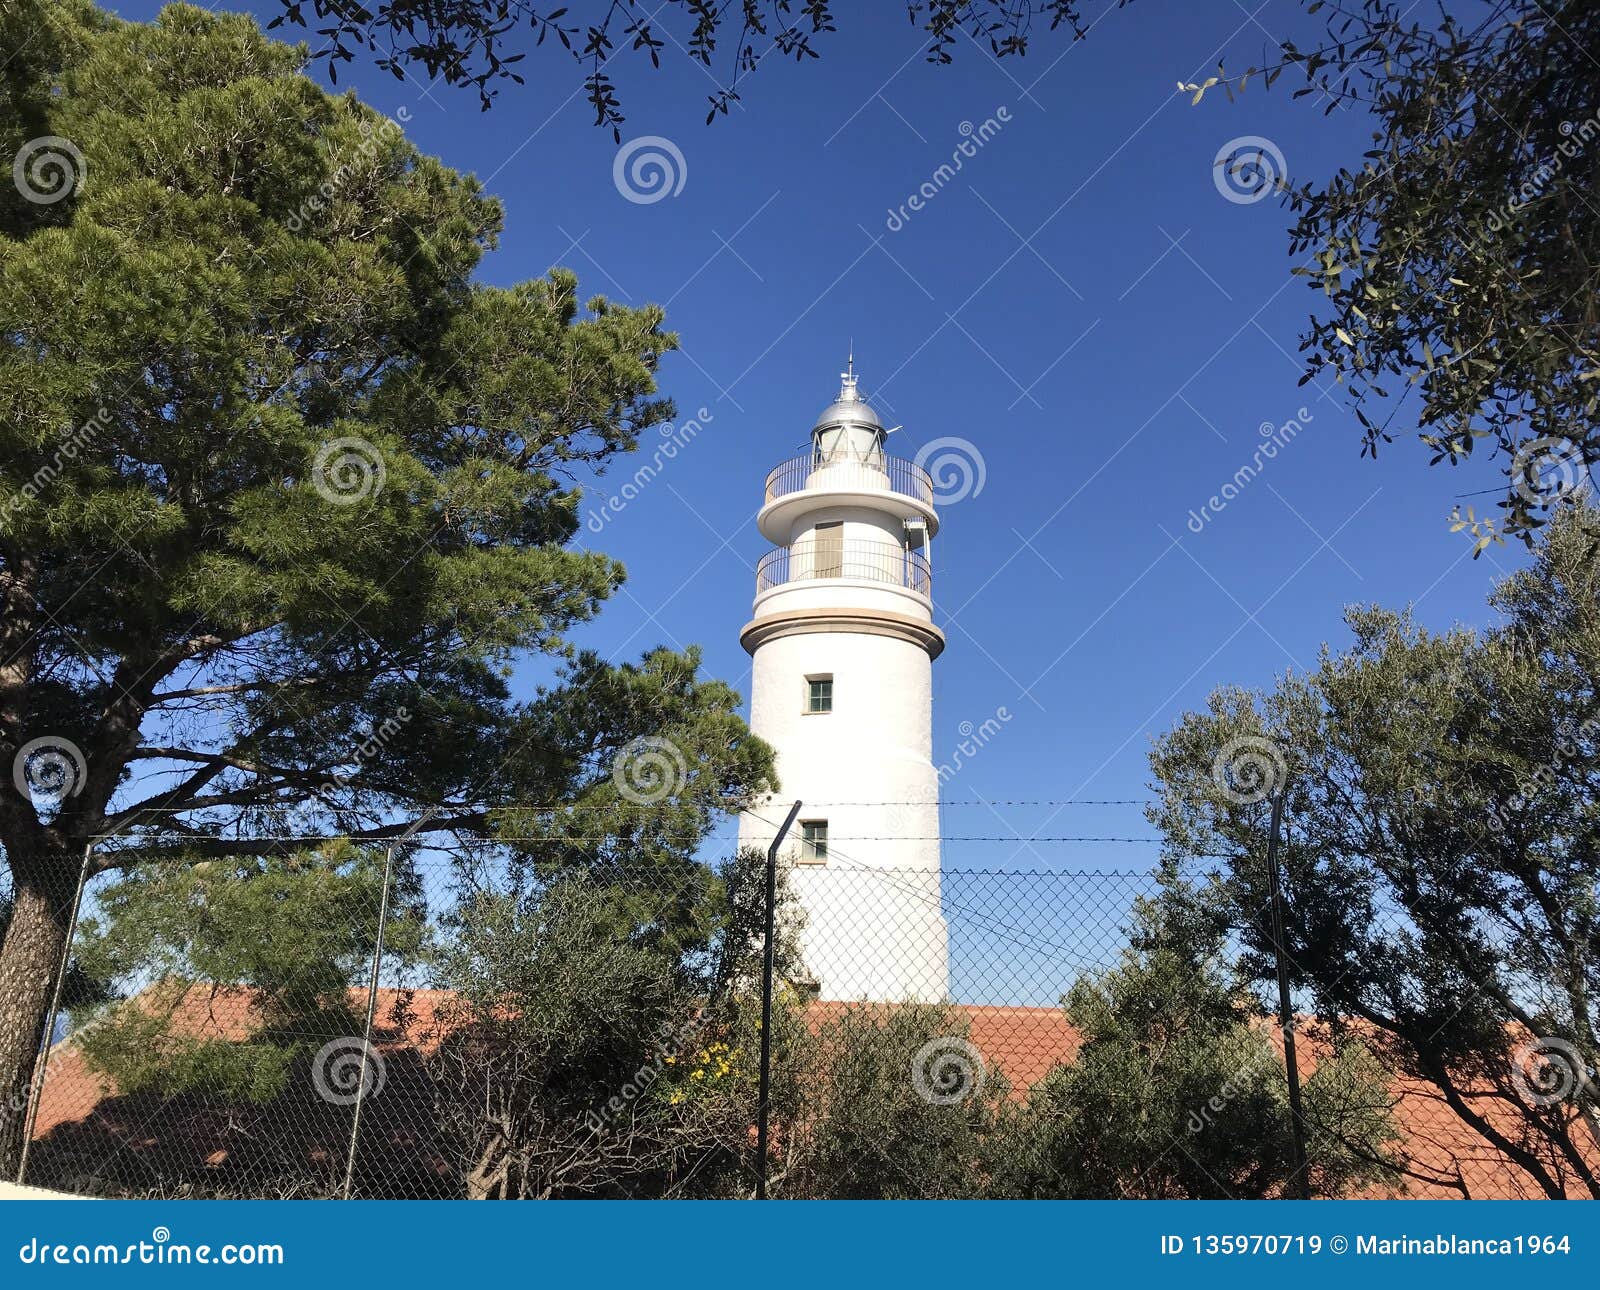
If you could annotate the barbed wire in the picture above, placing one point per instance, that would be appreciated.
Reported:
(136, 842)
(1019, 840)
(983, 801)
(569, 806)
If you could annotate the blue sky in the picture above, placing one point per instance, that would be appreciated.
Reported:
(1080, 303)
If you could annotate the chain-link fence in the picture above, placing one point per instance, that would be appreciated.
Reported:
(335, 1020)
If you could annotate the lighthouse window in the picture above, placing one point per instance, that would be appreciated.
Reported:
(814, 841)
(819, 694)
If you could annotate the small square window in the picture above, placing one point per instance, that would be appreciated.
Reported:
(819, 694)
(814, 842)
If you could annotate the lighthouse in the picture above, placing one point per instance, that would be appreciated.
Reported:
(842, 644)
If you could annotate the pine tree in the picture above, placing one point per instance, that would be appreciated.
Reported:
(285, 492)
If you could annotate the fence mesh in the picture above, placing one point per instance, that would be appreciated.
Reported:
(536, 1032)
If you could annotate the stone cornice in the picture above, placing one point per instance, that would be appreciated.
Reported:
(867, 622)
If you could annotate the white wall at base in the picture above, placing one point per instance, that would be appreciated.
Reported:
(873, 934)
(873, 927)
(10, 1191)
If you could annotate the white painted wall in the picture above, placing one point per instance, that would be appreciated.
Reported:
(861, 524)
(843, 593)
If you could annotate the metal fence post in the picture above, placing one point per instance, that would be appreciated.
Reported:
(763, 1094)
(1285, 1005)
(41, 1062)
(372, 993)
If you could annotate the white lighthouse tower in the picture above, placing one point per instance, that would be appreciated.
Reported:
(842, 643)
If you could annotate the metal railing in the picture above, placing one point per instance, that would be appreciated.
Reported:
(854, 558)
(837, 471)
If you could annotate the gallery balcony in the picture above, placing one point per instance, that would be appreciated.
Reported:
(814, 479)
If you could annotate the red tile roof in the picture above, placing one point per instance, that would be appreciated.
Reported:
(1023, 1043)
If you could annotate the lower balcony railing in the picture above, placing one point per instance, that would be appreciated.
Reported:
(871, 561)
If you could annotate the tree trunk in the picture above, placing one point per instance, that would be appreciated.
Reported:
(44, 885)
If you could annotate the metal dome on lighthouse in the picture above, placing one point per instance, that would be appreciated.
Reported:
(848, 428)
(842, 641)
